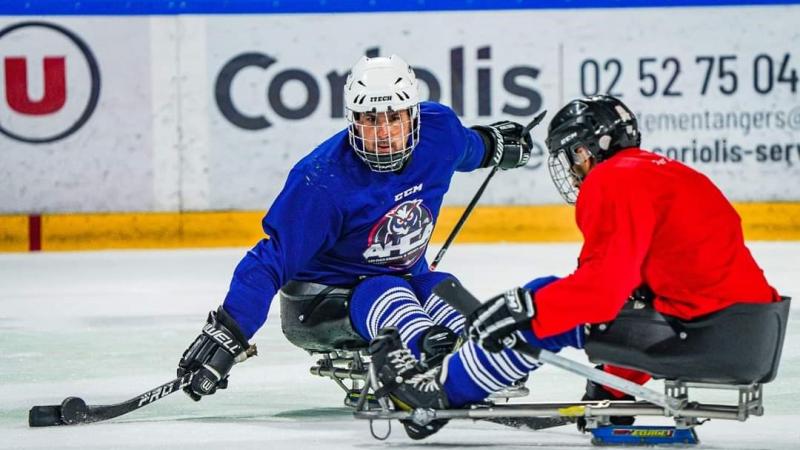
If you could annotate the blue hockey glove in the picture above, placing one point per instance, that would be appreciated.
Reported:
(212, 354)
(495, 325)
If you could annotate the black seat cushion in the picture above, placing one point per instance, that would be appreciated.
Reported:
(739, 345)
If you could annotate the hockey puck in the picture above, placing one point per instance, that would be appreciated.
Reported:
(45, 416)
(74, 410)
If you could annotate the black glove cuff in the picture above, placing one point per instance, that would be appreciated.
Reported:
(223, 330)
(490, 137)
(521, 306)
(230, 323)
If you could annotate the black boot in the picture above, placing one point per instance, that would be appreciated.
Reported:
(436, 343)
(393, 362)
(406, 383)
(596, 391)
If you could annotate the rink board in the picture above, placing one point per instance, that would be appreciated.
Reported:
(179, 121)
(487, 224)
(209, 112)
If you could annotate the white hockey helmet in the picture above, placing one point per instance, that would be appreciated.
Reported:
(382, 85)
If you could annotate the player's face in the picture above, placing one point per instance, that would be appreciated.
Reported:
(583, 163)
(384, 132)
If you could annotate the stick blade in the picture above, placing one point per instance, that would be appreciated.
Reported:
(71, 411)
(532, 423)
(457, 296)
(45, 416)
(534, 122)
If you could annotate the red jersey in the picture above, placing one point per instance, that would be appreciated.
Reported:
(649, 219)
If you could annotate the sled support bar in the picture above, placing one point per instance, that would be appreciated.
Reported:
(573, 409)
(338, 373)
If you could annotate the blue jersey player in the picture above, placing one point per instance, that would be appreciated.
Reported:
(347, 234)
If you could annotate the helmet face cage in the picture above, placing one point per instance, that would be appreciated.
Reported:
(385, 143)
(566, 181)
(382, 101)
(563, 145)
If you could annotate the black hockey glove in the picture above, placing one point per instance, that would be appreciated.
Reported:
(494, 326)
(506, 146)
(212, 354)
(597, 392)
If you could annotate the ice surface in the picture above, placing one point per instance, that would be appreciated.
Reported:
(107, 326)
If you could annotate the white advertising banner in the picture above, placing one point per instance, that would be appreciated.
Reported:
(75, 115)
(211, 112)
(716, 88)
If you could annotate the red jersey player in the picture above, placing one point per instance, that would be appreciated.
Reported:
(648, 222)
(664, 274)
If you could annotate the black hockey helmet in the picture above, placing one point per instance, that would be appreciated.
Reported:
(601, 124)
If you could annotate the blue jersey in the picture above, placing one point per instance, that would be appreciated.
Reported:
(336, 220)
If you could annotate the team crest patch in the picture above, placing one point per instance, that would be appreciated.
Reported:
(400, 237)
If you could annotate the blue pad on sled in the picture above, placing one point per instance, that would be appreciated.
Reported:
(643, 435)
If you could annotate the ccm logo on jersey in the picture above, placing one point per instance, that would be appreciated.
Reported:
(408, 192)
(224, 340)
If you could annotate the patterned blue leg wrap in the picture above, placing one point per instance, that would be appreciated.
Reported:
(387, 301)
(473, 373)
(437, 309)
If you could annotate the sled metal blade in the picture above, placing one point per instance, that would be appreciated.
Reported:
(643, 435)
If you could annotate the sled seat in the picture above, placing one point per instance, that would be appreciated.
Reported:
(315, 317)
(739, 345)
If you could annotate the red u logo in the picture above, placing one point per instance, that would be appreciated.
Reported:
(54, 97)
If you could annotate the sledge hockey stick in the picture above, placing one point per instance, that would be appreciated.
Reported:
(461, 220)
(531, 423)
(74, 410)
(464, 302)
(475, 199)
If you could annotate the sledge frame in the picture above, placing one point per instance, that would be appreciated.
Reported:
(350, 370)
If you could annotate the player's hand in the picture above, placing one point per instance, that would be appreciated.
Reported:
(212, 354)
(496, 324)
(512, 144)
